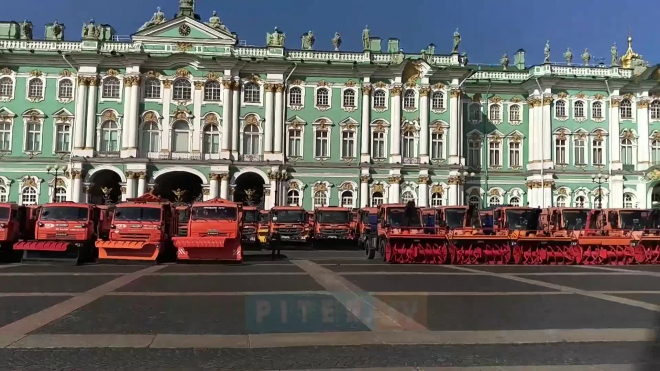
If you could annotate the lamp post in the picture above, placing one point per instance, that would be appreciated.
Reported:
(55, 170)
(461, 176)
(599, 179)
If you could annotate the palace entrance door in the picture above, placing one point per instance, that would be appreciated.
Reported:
(249, 190)
(179, 186)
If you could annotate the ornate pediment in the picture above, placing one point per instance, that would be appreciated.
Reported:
(184, 29)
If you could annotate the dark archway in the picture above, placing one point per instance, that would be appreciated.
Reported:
(250, 190)
(105, 188)
(188, 186)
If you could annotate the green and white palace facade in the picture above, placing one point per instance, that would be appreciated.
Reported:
(183, 105)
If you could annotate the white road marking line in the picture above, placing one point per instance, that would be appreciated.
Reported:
(468, 293)
(37, 294)
(3, 266)
(593, 294)
(613, 367)
(216, 293)
(231, 274)
(385, 273)
(622, 270)
(480, 273)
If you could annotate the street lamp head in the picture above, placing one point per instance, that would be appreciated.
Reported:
(57, 167)
(64, 167)
(465, 173)
(593, 176)
(472, 174)
(606, 177)
(48, 168)
(600, 175)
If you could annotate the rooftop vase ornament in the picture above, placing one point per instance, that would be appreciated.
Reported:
(505, 61)
(546, 52)
(457, 41)
(215, 22)
(26, 30)
(336, 41)
(615, 55)
(568, 56)
(366, 38)
(308, 40)
(157, 18)
(277, 38)
(586, 57)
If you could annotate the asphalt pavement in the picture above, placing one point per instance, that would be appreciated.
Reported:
(330, 309)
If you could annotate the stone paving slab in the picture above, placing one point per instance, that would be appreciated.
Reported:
(647, 268)
(439, 283)
(193, 283)
(604, 282)
(13, 308)
(52, 283)
(513, 269)
(223, 268)
(55, 268)
(227, 315)
(649, 298)
(471, 313)
(341, 268)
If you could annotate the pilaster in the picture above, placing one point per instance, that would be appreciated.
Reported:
(279, 118)
(126, 120)
(616, 191)
(547, 133)
(165, 122)
(365, 177)
(90, 133)
(423, 191)
(197, 112)
(227, 96)
(643, 162)
(455, 128)
(364, 136)
(79, 123)
(135, 113)
(615, 154)
(268, 133)
(424, 125)
(395, 143)
(235, 125)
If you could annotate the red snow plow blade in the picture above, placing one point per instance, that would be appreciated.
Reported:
(128, 250)
(651, 245)
(546, 250)
(199, 242)
(41, 246)
(208, 248)
(415, 247)
(54, 251)
(479, 249)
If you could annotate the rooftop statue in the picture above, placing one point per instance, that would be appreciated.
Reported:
(277, 38)
(336, 41)
(216, 23)
(158, 18)
(568, 56)
(615, 55)
(546, 52)
(26, 30)
(586, 57)
(505, 61)
(308, 40)
(90, 30)
(457, 41)
(366, 38)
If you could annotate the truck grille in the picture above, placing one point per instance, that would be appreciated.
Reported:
(134, 236)
(290, 231)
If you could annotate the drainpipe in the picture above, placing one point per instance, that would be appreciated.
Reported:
(542, 146)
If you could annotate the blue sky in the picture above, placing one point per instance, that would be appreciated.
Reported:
(488, 28)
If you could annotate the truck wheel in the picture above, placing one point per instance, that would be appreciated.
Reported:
(382, 250)
(371, 252)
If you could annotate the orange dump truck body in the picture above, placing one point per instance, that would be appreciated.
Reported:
(289, 224)
(332, 223)
(649, 237)
(140, 230)
(214, 232)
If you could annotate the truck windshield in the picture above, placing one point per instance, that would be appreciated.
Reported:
(575, 219)
(147, 214)
(263, 218)
(4, 213)
(214, 212)
(250, 216)
(289, 216)
(633, 219)
(399, 218)
(454, 218)
(522, 219)
(337, 217)
(64, 213)
(654, 219)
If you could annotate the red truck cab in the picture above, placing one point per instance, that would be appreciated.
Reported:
(364, 226)
(250, 225)
(288, 225)
(332, 223)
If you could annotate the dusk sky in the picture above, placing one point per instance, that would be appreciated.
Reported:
(488, 28)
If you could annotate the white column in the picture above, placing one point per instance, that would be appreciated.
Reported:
(424, 126)
(279, 117)
(455, 136)
(213, 185)
(532, 133)
(135, 113)
(547, 134)
(79, 125)
(130, 184)
(547, 193)
(268, 135)
(364, 190)
(395, 189)
(538, 127)
(226, 118)
(90, 134)
(643, 133)
(235, 125)
(273, 187)
(395, 143)
(142, 184)
(77, 186)
(423, 191)
(126, 122)
(165, 114)
(616, 192)
(366, 110)
(197, 120)
(615, 155)
(224, 186)
(641, 195)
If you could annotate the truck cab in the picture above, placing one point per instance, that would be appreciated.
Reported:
(332, 223)
(11, 217)
(263, 226)
(289, 224)
(250, 225)
(366, 216)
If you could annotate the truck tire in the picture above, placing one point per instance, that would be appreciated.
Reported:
(381, 249)
(371, 252)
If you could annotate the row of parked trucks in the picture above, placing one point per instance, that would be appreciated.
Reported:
(152, 229)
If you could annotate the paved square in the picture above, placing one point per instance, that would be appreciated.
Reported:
(604, 282)
(71, 283)
(224, 283)
(439, 283)
(15, 308)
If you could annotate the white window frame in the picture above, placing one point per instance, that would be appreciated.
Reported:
(290, 198)
(220, 91)
(472, 109)
(555, 109)
(182, 98)
(10, 97)
(653, 149)
(602, 111)
(495, 113)
(511, 141)
(260, 86)
(160, 89)
(37, 117)
(145, 152)
(355, 99)
(210, 155)
(7, 117)
(585, 106)
(22, 189)
(633, 200)
(632, 110)
(103, 98)
(414, 100)
(473, 200)
(348, 125)
(58, 86)
(384, 133)
(633, 150)
(438, 127)
(519, 108)
(56, 125)
(654, 116)
(260, 130)
(565, 136)
(470, 150)
(316, 98)
(296, 107)
(325, 192)
(387, 100)
(295, 123)
(100, 138)
(437, 201)
(603, 147)
(377, 201)
(498, 140)
(340, 197)
(585, 147)
(444, 101)
(36, 98)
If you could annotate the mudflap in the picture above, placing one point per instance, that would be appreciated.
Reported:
(208, 249)
(487, 251)
(130, 250)
(423, 250)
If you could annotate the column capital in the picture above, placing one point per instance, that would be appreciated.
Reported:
(366, 90)
(455, 93)
(128, 82)
(394, 179)
(214, 176)
(83, 81)
(93, 81)
(199, 85)
(365, 178)
(424, 91)
(547, 101)
(615, 102)
(141, 174)
(423, 179)
(396, 91)
(268, 87)
(76, 174)
(279, 88)
(167, 84)
(131, 174)
(643, 103)
(227, 84)
(455, 180)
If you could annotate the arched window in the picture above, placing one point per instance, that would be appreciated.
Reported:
(212, 91)
(251, 140)
(33, 138)
(182, 90)
(407, 196)
(409, 99)
(4, 194)
(6, 87)
(320, 199)
(62, 137)
(514, 113)
(560, 108)
(295, 96)
(152, 88)
(655, 151)
(578, 108)
(436, 199)
(349, 98)
(475, 112)
(35, 88)
(66, 89)
(437, 100)
(109, 137)
(60, 194)
(211, 139)
(580, 201)
(655, 110)
(408, 146)
(494, 112)
(251, 93)
(625, 107)
(494, 201)
(293, 198)
(110, 88)
(561, 201)
(379, 99)
(437, 146)
(322, 97)
(150, 138)
(474, 201)
(628, 201)
(376, 199)
(347, 199)
(515, 201)
(295, 142)
(378, 144)
(597, 110)
(626, 151)
(180, 137)
(29, 196)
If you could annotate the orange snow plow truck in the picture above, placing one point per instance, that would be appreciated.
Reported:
(65, 231)
(214, 232)
(332, 223)
(289, 226)
(11, 229)
(140, 230)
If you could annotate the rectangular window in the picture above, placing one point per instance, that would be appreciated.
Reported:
(322, 143)
(514, 154)
(437, 150)
(627, 152)
(378, 144)
(560, 151)
(598, 152)
(295, 143)
(474, 153)
(63, 137)
(655, 152)
(5, 136)
(348, 144)
(580, 151)
(494, 154)
(33, 137)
